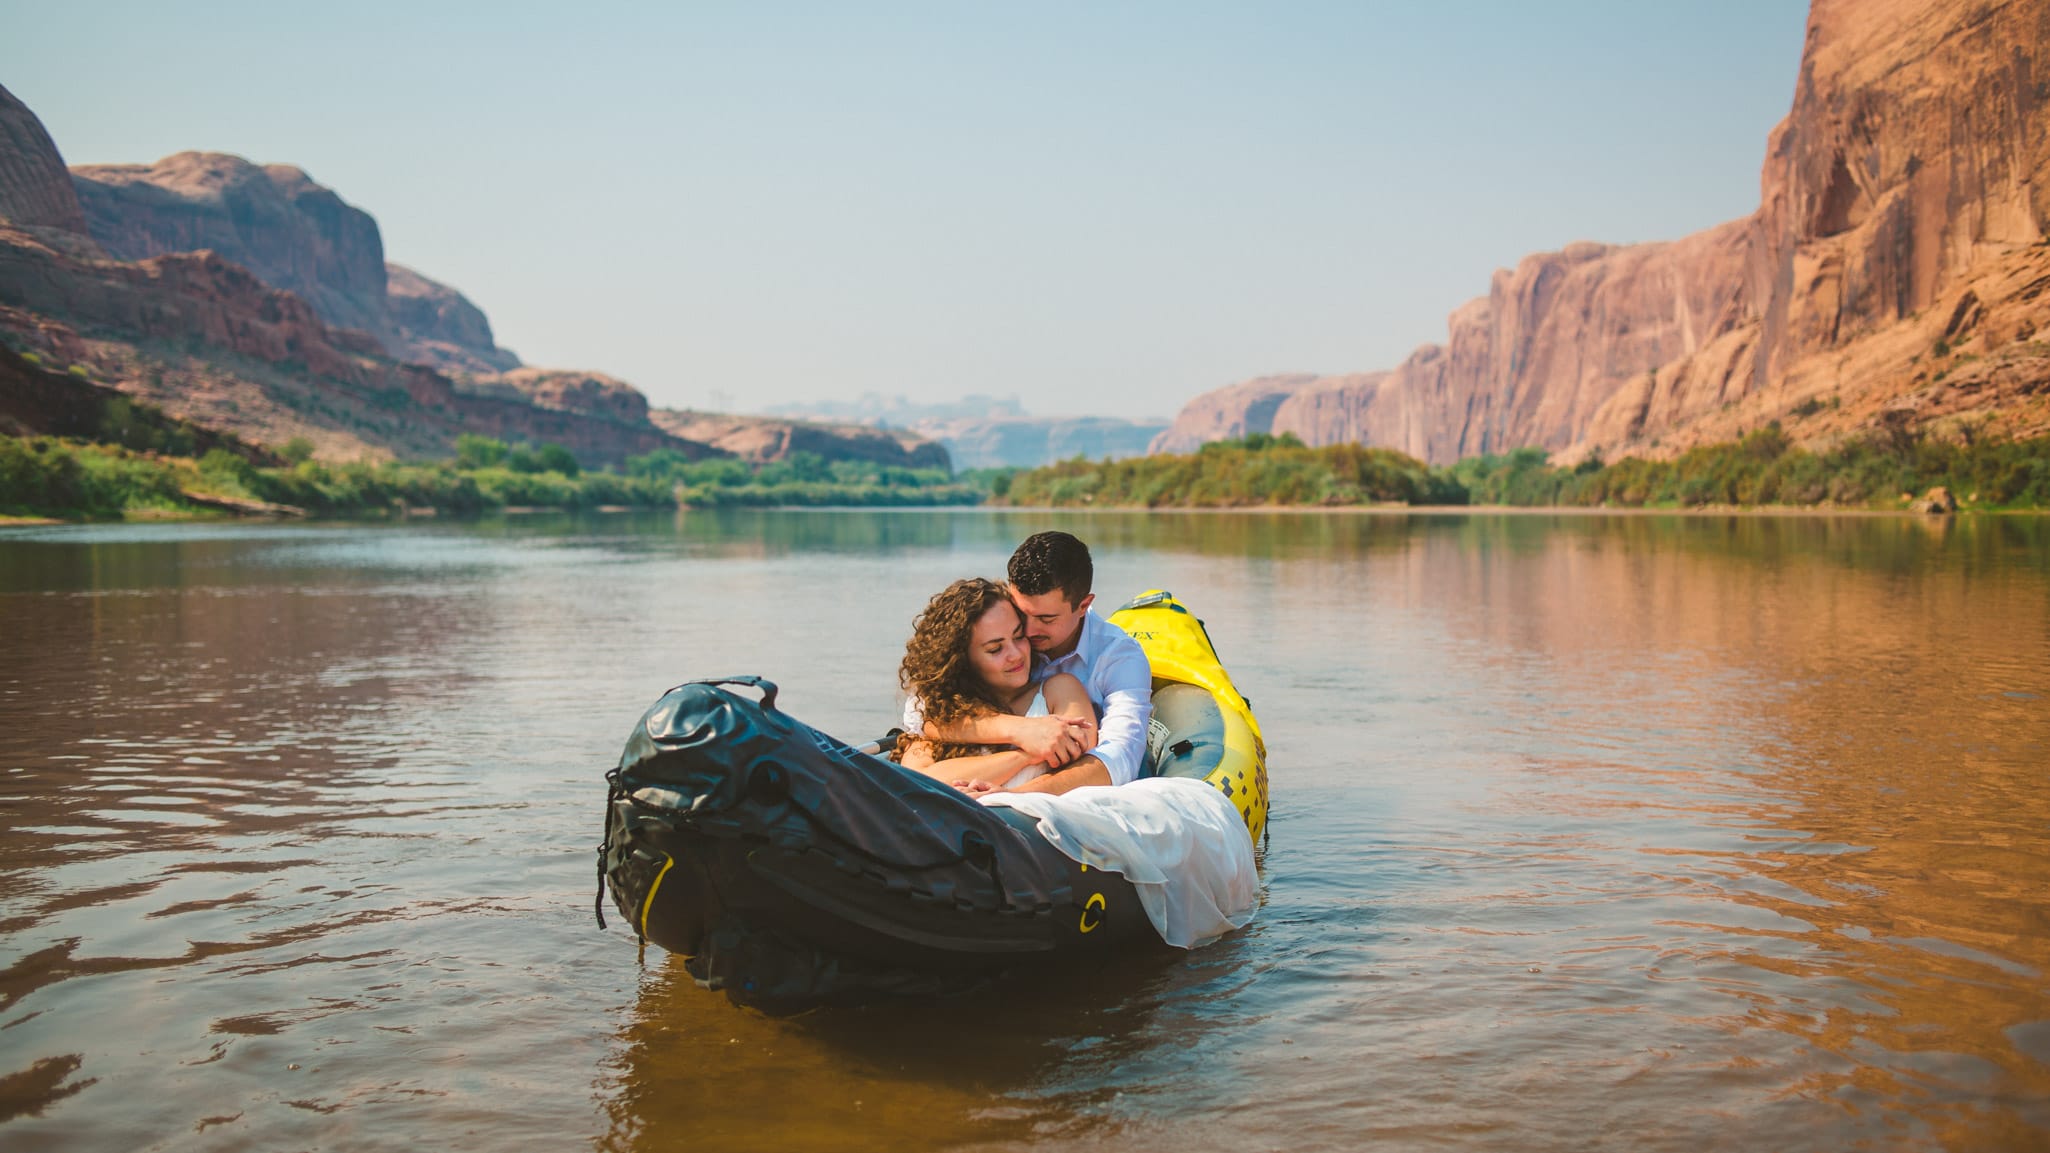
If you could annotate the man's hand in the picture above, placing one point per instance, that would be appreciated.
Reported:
(1053, 740)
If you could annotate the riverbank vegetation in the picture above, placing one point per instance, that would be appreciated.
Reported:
(145, 468)
(1764, 468)
(90, 480)
(1258, 470)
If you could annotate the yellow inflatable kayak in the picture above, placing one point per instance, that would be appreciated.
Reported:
(1202, 726)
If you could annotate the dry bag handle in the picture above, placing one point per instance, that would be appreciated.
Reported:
(767, 686)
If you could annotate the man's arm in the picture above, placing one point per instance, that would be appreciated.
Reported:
(1126, 681)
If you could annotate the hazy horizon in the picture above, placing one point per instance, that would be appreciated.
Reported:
(1102, 211)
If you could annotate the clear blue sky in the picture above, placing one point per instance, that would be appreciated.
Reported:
(1102, 207)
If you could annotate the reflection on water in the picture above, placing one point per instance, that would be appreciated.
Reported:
(1634, 832)
(894, 1070)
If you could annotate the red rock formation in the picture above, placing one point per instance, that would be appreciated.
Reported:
(273, 220)
(35, 189)
(35, 401)
(187, 296)
(439, 326)
(1910, 180)
(1904, 204)
(206, 338)
(566, 390)
(1918, 146)
(294, 234)
(1533, 361)
(241, 340)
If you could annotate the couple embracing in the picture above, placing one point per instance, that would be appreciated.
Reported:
(1019, 688)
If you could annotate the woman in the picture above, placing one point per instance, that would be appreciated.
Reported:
(968, 657)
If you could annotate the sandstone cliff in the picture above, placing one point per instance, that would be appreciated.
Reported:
(272, 219)
(294, 234)
(207, 341)
(174, 320)
(1918, 147)
(1230, 412)
(439, 326)
(1891, 273)
(35, 188)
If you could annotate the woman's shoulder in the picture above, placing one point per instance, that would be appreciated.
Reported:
(1062, 684)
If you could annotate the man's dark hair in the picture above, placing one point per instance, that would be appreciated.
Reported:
(1049, 561)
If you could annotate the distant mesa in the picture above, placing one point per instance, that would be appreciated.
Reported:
(980, 431)
(902, 412)
(769, 438)
(1033, 441)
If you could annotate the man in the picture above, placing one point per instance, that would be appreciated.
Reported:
(1050, 575)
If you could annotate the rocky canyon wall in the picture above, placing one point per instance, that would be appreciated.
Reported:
(35, 187)
(1230, 412)
(296, 235)
(438, 325)
(1902, 214)
(1918, 147)
(214, 291)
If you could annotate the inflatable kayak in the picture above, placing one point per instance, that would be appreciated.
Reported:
(789, 868)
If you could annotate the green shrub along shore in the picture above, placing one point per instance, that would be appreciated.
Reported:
(46, 477)
(1762, 469)
(84, 480)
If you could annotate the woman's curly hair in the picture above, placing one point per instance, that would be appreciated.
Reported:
(936, 668)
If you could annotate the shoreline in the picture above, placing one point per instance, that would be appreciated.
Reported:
(399, 517)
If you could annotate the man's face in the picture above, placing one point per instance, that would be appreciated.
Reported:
(1051, 623)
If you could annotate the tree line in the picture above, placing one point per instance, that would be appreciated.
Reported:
(1765, 467)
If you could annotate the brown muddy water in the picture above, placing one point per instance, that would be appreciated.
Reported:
(1631, 833)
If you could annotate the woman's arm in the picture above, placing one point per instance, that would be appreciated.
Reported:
(1054, 740)
(983, 768)
(1068, 700)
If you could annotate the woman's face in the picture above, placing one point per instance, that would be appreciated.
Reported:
(998, 650)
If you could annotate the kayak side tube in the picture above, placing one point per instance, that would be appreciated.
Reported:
(1202, 726)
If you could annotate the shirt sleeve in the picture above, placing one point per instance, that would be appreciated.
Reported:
(1126, 681)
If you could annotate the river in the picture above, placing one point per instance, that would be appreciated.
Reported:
(1589, 832)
